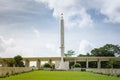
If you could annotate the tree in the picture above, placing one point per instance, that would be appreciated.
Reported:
(69, 53)
(114, 64)
(107, 50)
(18, 61)
(84, 55)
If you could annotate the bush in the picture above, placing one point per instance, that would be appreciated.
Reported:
(47, 65)
(118, 75)
(76, 65)
(7, 74)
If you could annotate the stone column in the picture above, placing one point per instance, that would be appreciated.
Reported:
(62, 37)
(13, 65)
(27, 63)
(111, 65)
(87, 64)
(38, 64)
(4, 64)
(99, 63)
(75, 61)
(50, 61)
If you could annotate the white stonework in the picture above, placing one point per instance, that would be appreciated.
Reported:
(115, 72)
(62, 37)
(14, 70)
(77, 69)
(62, 65)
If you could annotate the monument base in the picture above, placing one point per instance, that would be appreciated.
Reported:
(62, 65)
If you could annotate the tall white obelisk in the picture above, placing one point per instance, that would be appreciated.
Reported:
(62, 37)
(62, 65)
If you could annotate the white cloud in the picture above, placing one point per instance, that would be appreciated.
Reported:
(108, 8)
(5, 44)
(111, 8)
(75, 11)
(85, 47)
(36, 42)
(75, 15)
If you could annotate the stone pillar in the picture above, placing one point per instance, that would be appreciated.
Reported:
(99, 63)
(50, 61)
(13, 65)
(111, 65)
(87, 64)
(75, 61)
(4, 64)
(38, 64)
(62, 37)
(27, 63)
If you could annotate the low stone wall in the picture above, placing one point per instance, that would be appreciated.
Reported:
(6, 71)
(76, 69)
(113, 72)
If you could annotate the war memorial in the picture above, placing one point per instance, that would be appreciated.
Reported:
(61, 63)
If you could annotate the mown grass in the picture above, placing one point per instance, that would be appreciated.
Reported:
(60, 75)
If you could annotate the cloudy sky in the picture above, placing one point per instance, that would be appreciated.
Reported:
(31, 27)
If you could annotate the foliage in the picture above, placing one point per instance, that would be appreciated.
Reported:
(18, 61)
(105, 64)
(47, 65)
(93, 64)
(114, 64)
(69, 53)
(82, 55)
(107, 50)
(76, 65)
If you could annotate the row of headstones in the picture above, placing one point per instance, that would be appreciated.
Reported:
(6, 71)
(112, 72)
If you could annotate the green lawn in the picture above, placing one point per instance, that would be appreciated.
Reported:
(59, 75)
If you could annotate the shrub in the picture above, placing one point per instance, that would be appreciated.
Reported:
(47, 65)
(76, 65)
(7, 74)
(118, 75)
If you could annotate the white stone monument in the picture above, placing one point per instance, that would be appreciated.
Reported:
(62, 65)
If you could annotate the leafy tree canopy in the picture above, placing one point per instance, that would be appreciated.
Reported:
(69, 53)
(107, 50)
(84, 55)
(18, 61)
